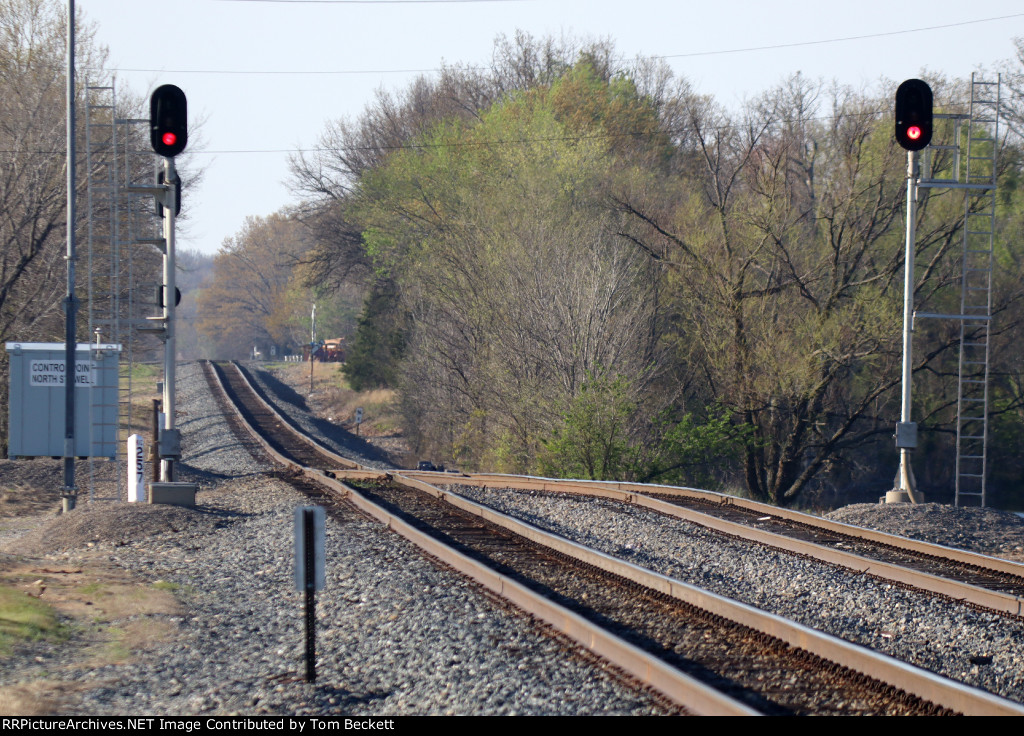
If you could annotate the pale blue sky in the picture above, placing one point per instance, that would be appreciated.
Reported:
(197, 44)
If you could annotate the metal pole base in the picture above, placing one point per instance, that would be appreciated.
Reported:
(905, 485)
(897, 496)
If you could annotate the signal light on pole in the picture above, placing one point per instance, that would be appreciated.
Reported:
(158, 205)
(914, 115)
(168, 120)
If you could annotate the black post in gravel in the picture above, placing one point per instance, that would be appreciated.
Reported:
(310, 599)
(309, 572)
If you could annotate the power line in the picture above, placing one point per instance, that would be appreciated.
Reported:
(271, 72)
(693, 54)
(842, 38)
(497, 142)
(369, 2)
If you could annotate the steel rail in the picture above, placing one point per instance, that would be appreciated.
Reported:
(914, 545)
(635, 493)
(906, 677)
(287, 421)
(680, 688)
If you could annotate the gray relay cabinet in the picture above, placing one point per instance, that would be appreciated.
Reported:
(37, 395)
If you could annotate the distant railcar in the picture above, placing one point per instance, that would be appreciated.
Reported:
(331, 351)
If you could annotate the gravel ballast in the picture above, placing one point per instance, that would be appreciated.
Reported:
(396, 633)
(982, 649)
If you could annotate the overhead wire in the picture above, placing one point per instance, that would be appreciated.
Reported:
(522, 141)
(746, 49)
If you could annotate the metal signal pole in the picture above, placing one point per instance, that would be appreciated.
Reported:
(167, 469)
(913, 129)
(69, 492)
(312, 346)
(906, 431)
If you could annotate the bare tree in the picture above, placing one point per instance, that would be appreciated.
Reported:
(32, 166)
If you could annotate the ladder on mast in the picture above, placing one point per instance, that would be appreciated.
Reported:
(973, 168)
(972, 425)
(103, 260)
(118, 223)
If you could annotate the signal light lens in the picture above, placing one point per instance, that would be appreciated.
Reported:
(914, 115)
(168, 120)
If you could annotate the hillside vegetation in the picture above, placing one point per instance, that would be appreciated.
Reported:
(572, 265)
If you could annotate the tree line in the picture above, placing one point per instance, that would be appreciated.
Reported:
(575, 265)
(571, 264)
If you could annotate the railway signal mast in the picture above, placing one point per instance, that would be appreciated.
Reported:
(965, 159)
(168, 118)
(913, 133)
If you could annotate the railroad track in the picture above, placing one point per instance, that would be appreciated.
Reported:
(977, 580)
(277, 435)
(708, 653)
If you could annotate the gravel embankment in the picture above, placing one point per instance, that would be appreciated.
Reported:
(982, 649)
(397, 635)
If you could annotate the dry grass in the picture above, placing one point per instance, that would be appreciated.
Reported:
(144, 380)
(87, 592)
(22, 498)
(333, 400)
(38, 698)
(104, 615)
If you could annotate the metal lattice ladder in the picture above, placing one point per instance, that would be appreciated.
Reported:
(119, 222)
(972, 427)
(103, 257)
(131, 213)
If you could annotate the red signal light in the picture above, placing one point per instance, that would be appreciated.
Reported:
(168, 120)
(914, 115)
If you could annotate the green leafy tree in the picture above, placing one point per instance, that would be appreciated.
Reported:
(376, 351)
(508, 264)
(592, 440)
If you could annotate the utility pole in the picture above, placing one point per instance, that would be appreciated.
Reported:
(312, 346)
(69, 493)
